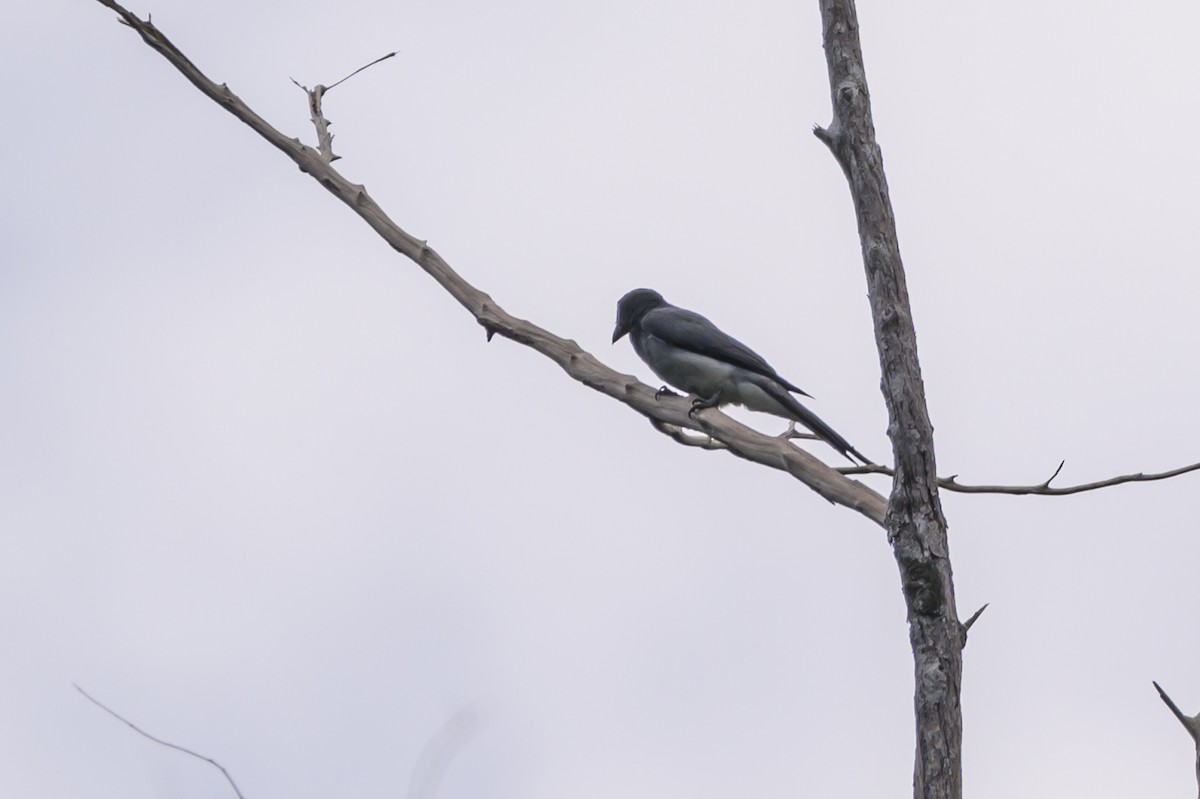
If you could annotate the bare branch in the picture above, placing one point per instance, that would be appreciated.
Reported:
(319, 120)
(167, 744)
(1041, 489)
(1190, 723)
(967, 624)
(793, 433)
(360, 69)
(324, 137)
(582, 366)
(974, 616)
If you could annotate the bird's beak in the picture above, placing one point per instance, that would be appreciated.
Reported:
(617, 333)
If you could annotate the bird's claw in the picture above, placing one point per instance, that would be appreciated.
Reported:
(700, 403)
(663, 391)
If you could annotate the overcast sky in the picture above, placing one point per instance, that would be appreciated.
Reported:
(266, 490)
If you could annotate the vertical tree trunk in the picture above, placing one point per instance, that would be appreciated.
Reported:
(915, 525)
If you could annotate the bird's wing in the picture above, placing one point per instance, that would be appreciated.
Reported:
(691, 331)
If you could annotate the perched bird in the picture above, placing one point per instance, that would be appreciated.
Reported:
(694, 355)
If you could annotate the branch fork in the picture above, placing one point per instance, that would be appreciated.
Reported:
(319, 120)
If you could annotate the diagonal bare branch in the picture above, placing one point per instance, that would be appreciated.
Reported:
(1041, 489)
(1190, 723)
(581, 365)
(167, 744)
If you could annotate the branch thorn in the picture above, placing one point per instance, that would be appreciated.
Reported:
(1056, 471)
(974, 616)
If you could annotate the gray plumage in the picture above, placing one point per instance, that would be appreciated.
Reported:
(694, 355)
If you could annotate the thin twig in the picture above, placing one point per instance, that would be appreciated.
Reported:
(792, 433)
(1041, 489)
(360, 69)
(315, 95)
(168, 744)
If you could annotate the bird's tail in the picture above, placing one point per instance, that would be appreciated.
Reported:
(814, 423)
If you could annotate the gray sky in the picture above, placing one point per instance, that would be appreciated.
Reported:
(265, 489)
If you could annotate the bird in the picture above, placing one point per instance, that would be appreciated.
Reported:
(692, 354)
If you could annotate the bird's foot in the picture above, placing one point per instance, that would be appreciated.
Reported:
(701, 403)
(664, 392)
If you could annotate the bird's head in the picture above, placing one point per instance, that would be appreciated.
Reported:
(632, 307)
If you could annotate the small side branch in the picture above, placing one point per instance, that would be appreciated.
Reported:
(167, 744)
(975, 617)
(320, 122)
(1190, 723)
(360, 69)
(831, 138)
(969, 622)
(1041, 489)
(324, 137)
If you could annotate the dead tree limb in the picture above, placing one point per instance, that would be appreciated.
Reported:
(581, 365)
(315, 95)
(914, 521)
(167, 744)
(324, 134)
(1190, 723)
(1043, 489)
